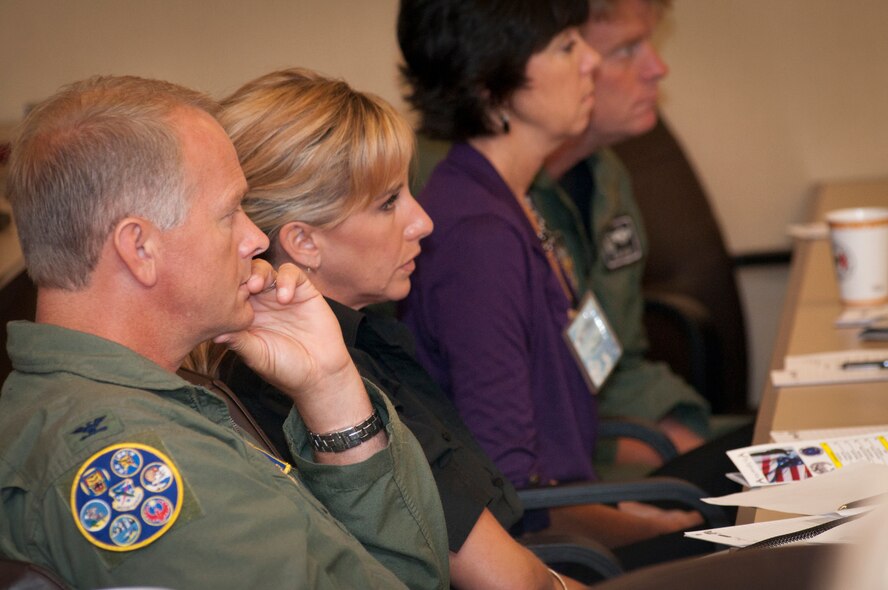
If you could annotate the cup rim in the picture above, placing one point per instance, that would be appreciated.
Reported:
(857, 217)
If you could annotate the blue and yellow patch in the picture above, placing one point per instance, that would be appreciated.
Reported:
(126, 496)
(282, 465)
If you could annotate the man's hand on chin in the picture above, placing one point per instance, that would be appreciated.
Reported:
(295, 344)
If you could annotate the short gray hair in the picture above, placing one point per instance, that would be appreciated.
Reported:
(97, 151)
(600, 10)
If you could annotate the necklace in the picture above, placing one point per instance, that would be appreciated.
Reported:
(553, 247)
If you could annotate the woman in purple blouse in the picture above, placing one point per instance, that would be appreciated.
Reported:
(507, 81)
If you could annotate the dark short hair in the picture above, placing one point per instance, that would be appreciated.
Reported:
(464, 57)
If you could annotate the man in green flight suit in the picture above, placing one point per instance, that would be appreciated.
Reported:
(592, 207)
(116, 472)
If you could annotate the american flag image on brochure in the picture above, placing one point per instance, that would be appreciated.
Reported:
(777, 463)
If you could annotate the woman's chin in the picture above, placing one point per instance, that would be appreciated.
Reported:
(399, 292)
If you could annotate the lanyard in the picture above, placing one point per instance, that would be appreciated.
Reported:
(555, 252)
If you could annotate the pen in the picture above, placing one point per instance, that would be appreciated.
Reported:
(881, 364)
(863, 502)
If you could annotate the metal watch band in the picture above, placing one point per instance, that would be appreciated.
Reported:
(343, 440)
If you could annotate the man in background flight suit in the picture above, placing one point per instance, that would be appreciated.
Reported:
(595, 212)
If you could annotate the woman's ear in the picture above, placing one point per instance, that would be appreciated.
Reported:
(136, 243)
(298, 241)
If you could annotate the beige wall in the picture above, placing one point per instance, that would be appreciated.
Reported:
(214, 45)
(774, 96)
(769, 96)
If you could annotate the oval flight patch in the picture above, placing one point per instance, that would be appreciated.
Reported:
(126, 496)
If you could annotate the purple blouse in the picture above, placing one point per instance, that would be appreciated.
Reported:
(488, 315)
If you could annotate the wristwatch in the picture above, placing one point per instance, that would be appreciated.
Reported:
(343, 440)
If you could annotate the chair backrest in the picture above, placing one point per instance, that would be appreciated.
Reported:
(21, 575)
(18, 301)
(688, 257)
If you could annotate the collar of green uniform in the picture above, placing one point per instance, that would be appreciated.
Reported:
(44, 348)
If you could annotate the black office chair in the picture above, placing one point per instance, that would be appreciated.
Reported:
(693, 316)
(18, 301)
(21, 575)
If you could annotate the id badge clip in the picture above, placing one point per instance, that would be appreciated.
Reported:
(593, 342)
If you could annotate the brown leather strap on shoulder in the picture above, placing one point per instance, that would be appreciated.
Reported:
(236, 408)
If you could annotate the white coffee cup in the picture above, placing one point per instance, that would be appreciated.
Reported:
(860, 251)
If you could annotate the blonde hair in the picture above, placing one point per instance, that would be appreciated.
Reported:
(313, 149)
(205, 358)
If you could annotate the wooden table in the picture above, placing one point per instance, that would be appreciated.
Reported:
(807, 326)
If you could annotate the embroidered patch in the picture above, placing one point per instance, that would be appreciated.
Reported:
(620, 245)
(157, 511)
(126, 496)
(94, 481)
(282, 465)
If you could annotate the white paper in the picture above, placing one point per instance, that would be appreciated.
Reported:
(817, 495)
(737, 477)
(811, 434)
(858, 317)
(826, 368)
(747, 534)
(850, 532)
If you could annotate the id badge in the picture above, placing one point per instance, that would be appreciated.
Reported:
(594, 345)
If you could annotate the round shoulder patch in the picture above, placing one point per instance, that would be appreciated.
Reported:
(126, 496)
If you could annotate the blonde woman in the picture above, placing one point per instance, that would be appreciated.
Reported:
(327, 169)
